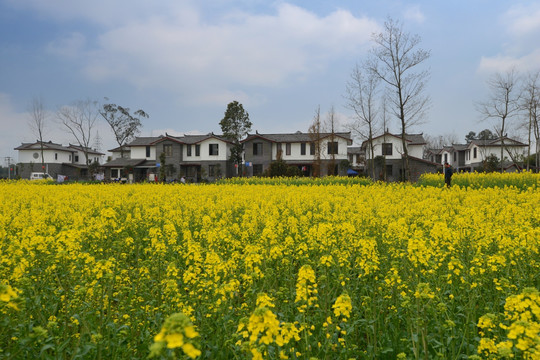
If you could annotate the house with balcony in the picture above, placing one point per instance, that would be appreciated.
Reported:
(195, 157)
(389, 156)
(309, 152)
(57, 159)
(471, 156)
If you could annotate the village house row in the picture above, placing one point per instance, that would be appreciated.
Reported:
(206, 157)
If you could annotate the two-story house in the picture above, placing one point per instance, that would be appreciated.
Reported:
(477, 151)
(471, 156)
(388, 156)
(304, 150)
(195, 157)
(57, 159)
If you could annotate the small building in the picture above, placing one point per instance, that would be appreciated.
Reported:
(195, 157)
(389, 157)
(308, 152)
(57, 159)
(357, 159)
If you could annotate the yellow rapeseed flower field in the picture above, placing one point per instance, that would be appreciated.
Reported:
(269, 271)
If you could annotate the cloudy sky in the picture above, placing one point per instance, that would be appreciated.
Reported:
(183, 61)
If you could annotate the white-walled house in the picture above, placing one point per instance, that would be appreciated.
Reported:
(296, 149)
(479, 150)
(471, 156)
(388, 156)
(58, 159)
(195, 157)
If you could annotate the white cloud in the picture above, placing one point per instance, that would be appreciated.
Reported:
(414, 13)
(521, 50)
(523, 20)
(206, 61)
(503, 63)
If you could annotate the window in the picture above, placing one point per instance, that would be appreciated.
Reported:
(257, 148)
(387, 148)
(214, 170)
(303, 149)
(257, 169)
(445, 158)
(332, 147)
(197, 150)
(115, 173)
(358, 160)
(69, 158)
(55, 156)
(76, 158)
(455, 156)
(311, 148)
(188, 150)
(288, 148)
(147, 151)
(213, 149)
(167, 149)
(474, 153)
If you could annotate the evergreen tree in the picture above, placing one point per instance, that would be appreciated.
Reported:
(235, 125)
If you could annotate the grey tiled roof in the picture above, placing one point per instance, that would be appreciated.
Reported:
(496, 142)
(355, 150)
(80, 148)
(46, 145)
(143, 141)
(295, 137)
(124, 162)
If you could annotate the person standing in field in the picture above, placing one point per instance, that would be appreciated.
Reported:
(448, 172)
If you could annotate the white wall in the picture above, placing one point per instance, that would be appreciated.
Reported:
(139, 152)
(224, 151)
(296, 147)
(27, 156)
(485, 151)
(397, 148)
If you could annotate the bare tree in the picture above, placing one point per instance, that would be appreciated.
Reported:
(362, 90)
(38, 124)
(315, 134)
(332, 124)
(394, 59)
(79, 119)
(503, 104)
(531, 104)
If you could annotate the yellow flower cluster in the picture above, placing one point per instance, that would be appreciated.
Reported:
(316, 270)
(264, 329)
(8, 297)
(343, 307)
(177, 332)
(521, 323)
(306, 288)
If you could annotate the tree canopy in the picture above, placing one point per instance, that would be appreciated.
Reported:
(124, 125)
(235, 125)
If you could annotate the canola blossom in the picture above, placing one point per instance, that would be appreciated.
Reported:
(269, 271)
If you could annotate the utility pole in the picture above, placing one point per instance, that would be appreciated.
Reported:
(8, 161)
